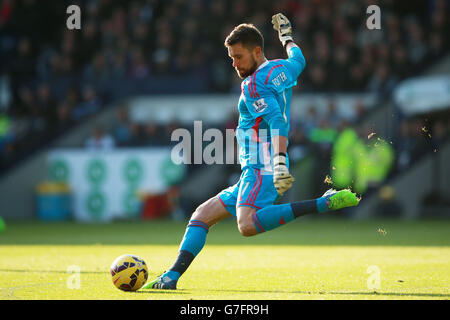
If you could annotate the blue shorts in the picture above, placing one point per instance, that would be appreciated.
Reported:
(254, 189)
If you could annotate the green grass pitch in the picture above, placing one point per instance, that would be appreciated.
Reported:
(306, 259)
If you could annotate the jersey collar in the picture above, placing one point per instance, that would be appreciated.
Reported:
(262, 65)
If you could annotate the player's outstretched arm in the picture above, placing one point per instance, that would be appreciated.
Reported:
(284, 28)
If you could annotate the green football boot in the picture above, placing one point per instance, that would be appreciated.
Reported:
(161, 282)
(340, 199)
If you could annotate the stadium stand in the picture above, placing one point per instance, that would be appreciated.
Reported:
(56, 77)
(52, 80)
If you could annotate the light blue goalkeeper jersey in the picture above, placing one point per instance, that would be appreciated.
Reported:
(264, 108)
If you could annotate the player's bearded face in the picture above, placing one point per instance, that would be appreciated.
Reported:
(244, 61)
(245, 72)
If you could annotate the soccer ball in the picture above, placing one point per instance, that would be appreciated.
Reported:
(129, 272)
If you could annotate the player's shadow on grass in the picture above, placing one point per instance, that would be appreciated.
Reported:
(178, 291)
(162, 291)
(399, 294)
(52, 271)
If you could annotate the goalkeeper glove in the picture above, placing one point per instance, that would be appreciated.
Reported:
(282, 179)
(284, 28)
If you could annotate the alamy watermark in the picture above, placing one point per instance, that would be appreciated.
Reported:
(214, 146)
(374, 20)
(74, 280)
(74, 20)
(374, 279)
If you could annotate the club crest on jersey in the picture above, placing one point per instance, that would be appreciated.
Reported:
(260, 105)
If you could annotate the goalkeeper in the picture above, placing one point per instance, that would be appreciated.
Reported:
(264, 108)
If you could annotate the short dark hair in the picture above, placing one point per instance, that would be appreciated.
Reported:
(247, 34)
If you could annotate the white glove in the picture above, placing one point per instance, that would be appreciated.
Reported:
(284, 28)
(282, 179)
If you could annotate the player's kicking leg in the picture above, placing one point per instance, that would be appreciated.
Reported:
(206, 215)
(251, 201)
(253, 221)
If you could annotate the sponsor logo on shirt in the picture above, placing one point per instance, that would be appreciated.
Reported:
(260, 105)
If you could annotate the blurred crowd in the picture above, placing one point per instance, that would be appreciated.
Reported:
(314, 133)
(51, 78)
(313, 136)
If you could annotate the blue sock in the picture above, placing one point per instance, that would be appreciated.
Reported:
(322, 205)
(273, 216)
(193, 241)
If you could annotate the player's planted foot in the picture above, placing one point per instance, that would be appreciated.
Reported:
(336, 200)
(162, 282)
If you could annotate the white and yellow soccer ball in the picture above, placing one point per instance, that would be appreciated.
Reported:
(129, 272)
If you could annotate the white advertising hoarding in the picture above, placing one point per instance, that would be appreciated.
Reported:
(423, 94)
(105, 184)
